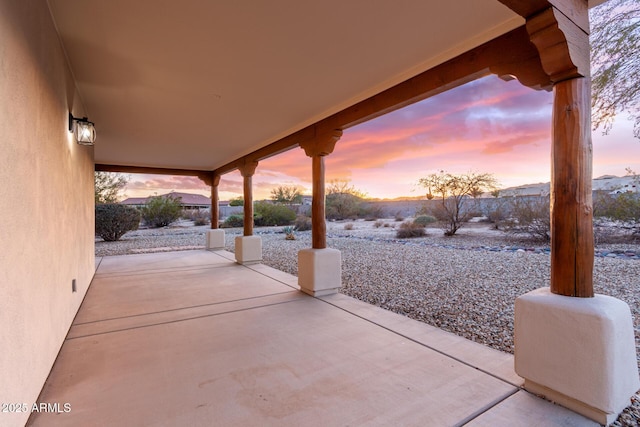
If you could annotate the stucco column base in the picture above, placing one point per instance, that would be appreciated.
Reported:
(319, 271)
(248, 250)
(578, 352)
(215, 239)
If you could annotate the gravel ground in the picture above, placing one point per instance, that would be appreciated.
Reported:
(469, 292)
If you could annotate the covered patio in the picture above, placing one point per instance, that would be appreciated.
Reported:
(203, 88)
(193, 338)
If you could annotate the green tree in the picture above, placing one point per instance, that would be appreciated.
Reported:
(108, 185)
(615, 43)
(160, 211)
(453, 192)
(286, 195)
(236, 201)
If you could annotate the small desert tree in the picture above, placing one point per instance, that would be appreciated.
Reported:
(286, 195)
(453, 191)
(107, 186)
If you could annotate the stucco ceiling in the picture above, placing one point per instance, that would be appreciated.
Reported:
(195, 84)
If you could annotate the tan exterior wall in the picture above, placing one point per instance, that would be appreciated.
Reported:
(46, 203)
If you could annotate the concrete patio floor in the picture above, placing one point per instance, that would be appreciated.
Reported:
(193, 339)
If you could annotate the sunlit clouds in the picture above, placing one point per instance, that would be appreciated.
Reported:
(487, 125)
(145, 185)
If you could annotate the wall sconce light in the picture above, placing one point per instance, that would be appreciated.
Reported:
(83, 130)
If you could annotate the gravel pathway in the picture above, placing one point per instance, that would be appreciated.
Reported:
(450, 283)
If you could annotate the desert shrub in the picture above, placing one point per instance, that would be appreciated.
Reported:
(344, 201)
(198, 216)
(371, 212)
(399, 217)
(617, 207)
(498, 212)
(623, 210)
(268, 214)
(410, 229)
(161, 211)
(342, 206)
(201, 217)
(378, 224)
(424, 220)
(233, 221)
(113, 220)
(302, 223)
(529, 215)
(348, 226)
(187, 214)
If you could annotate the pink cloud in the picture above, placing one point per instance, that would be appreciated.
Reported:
(152, 182)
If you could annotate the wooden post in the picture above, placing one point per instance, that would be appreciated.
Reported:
(318, 223)
(215, 207)
(248, 205)
(317, 148)
(563, 43)
(247, 170)
(571, 200)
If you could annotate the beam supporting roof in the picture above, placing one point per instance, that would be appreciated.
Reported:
(562, 43)
(206, 176)
(510, 55)
(574, 10)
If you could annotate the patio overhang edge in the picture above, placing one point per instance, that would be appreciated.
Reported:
(206, 176)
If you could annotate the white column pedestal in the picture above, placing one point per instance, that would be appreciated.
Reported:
(578, 352)
(248, 249)
(319, 271)
(215, 239)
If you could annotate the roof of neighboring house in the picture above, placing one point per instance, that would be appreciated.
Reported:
(187, 199)
(134, 201)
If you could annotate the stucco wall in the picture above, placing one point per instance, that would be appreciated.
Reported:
(46, 203)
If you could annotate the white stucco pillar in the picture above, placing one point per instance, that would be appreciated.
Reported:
(319, 268)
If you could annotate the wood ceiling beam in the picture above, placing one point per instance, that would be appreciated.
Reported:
(510, 55)
(574, 10)
(206, 176)
(563, 45)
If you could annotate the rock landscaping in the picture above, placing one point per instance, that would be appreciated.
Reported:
(465, 284)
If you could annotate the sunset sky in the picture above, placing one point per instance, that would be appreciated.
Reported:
(484, 126)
